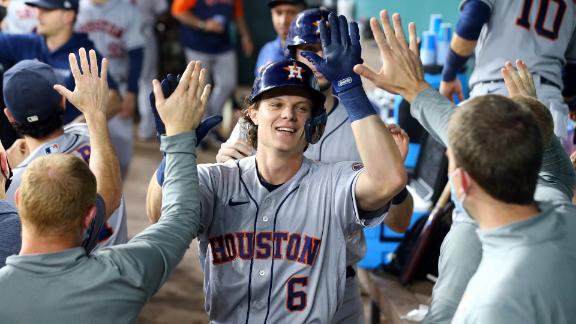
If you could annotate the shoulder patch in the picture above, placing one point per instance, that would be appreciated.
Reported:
(357, 166)
(53, 148)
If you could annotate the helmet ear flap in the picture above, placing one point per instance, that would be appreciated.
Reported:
(314, 127)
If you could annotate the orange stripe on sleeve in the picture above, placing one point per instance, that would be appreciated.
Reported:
(182, 6)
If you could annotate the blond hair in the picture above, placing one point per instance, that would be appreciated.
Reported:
(55, 193)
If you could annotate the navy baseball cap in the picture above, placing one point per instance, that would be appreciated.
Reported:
(54, 4)
(28, 92)
(274, 3)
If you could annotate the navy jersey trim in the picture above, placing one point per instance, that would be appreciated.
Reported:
(253, 241)
(273, 246)
(328, 135)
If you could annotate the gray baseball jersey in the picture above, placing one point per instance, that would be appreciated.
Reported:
(20, 18)
(115, 27)
(336, 145)
(279, 256)
(75, 141)
(541, 32)
(527, 272)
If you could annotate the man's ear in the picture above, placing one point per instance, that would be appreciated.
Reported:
(88, 217)
(9, 116)
(253, 113)
(465, 181)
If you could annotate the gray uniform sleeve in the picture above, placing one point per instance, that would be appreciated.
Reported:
(494, 315)
(346, 176)
(150, 257)
(460, 255)
(556, 179)
(433, 112)
(133, 36)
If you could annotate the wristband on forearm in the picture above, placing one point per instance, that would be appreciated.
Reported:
(454, 63)
(400, 197)
(356, 103)
(339, 86)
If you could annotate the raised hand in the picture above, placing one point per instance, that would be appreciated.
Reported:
(90, 94)
(342, 51)
(168, 85)
(183, 109)
(401, 71)
(519, 81)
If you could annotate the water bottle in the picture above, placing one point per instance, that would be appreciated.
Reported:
(443, 45)
(428, 48)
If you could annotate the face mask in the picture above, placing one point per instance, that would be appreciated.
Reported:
(458, 204)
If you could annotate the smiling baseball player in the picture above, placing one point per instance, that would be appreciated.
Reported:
(337, 144)
(273, 245)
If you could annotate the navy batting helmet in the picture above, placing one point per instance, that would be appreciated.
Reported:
(305, 28)
(294, 74)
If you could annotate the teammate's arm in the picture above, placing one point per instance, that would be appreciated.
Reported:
(402, 206)
(153, 254)
(91, 97)
(135, 60)
(153, 200)
(247, 44)
(181, 11)
(475, 13)
(384, 174)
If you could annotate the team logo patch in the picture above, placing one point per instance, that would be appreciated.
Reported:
(317, 25)
(295, 71)
(53, 148)
(357, 166)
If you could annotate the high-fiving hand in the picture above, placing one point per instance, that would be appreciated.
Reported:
(519, 82)
(342, 51)
(401, 71)
(90, 94)
(183, 109)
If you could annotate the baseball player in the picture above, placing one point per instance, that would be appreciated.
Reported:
(282, 12)
(461, 250)
(336, 145)
(204, 33)
(54, 40)
(280, 262)
(542, 33)
(150, 10)
(115, 27)
(38, 119)
(53, 280)
(20, 18)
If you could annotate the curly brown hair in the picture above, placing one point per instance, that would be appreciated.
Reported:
(248, 127)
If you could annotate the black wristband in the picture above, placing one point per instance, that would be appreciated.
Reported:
(400, 197)
(454, 64)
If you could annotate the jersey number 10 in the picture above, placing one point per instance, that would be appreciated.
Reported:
(524, 21)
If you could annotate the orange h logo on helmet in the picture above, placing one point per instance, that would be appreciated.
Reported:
(295, 71)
